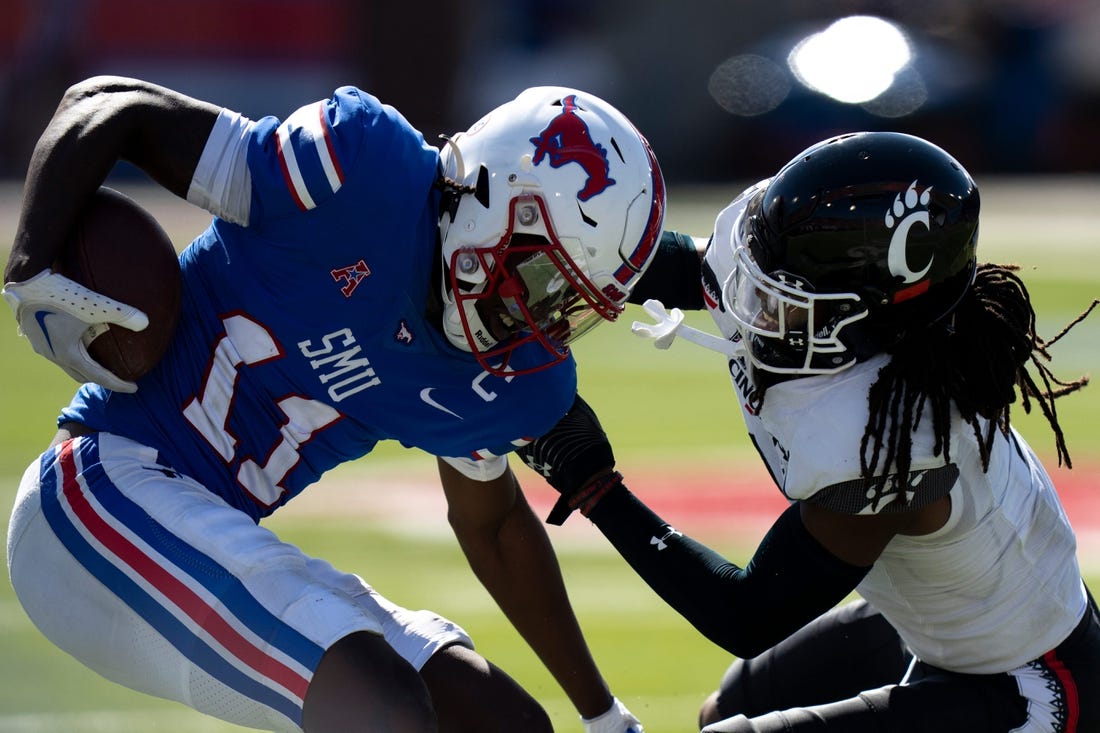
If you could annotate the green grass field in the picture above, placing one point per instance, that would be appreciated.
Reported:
(666, 411)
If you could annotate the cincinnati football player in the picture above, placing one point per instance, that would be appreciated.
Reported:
(875, 360)
(355, 285)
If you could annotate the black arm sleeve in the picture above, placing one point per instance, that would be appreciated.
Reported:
(675, 275)
(790, 581)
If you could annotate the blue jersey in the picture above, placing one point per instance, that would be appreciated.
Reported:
(303, 339)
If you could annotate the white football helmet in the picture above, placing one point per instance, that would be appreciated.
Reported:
(557, 212)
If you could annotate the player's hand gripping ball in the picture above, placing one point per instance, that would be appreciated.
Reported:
(119, 250)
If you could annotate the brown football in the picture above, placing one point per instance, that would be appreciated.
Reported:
(118, 249)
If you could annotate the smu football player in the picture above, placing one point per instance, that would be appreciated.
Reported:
(356, 285)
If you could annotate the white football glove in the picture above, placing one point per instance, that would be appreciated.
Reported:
(60, 317)
(616, 720)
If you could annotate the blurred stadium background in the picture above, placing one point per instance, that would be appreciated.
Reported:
(725, 91)
(721, 88)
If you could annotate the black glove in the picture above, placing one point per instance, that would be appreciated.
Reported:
(569, 456)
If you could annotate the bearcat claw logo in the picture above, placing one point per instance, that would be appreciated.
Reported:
(567, 140)
(901, 217)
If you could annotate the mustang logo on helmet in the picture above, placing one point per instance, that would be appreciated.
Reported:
(567, 140)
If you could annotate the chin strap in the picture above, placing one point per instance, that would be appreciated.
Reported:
(668, 325)
(460, 167)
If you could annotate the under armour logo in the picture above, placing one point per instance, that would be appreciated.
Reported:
(351, 276)
(660, 541)
(541, 468)
(790, 280)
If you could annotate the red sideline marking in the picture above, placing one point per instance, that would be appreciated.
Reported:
(745, 501)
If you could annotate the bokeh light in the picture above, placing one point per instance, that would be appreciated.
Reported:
(854, 60)
(749, 85)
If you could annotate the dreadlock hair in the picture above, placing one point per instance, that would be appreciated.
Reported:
(976, 358)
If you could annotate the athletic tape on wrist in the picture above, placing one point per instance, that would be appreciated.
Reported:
(583, 500)
(586, 499)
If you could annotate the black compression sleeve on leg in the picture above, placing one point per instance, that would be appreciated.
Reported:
(790, 580)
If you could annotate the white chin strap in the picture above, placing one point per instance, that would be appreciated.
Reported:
(452, 327)
(456, 334)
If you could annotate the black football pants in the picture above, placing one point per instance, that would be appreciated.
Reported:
(840, 674)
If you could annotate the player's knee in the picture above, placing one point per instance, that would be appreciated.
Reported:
(361, 683)
(471, 695)
(730, 698)
(708, 713)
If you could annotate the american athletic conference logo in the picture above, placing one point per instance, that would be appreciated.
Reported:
(349, 277)
(901, 217)
(567, 139)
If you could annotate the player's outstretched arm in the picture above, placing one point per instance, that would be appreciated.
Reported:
(675, 276)
(790, 580)
(509, 551)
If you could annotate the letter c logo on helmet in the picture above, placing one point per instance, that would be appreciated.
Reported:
(897, 257)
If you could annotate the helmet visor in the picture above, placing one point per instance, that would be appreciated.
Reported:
(544, 293)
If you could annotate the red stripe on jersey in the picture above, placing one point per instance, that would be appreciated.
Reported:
(170, 586)
(327, 131)
(286, 175)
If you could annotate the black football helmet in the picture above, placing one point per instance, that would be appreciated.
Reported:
(853, 243)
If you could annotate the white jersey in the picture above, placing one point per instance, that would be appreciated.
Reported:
(994, 588)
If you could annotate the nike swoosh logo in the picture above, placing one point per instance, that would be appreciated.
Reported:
(426, 395)
(41, 316)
